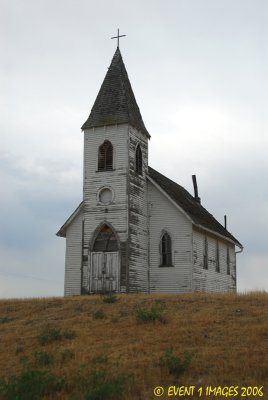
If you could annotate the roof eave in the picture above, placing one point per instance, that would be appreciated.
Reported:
(63, 229)
(143, 131)
(226, 238)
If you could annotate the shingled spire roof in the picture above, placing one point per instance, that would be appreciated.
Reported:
(116, 103)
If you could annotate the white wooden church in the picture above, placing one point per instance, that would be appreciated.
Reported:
(136, 230)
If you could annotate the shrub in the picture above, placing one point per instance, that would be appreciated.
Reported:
(98, 314)
(66, 355)
(173, 363)
(30, 385)
(110, 298)
(43, 358)
(153, 313)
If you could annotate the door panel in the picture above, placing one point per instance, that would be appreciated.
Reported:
(112, 269)
(104, 274)
(97, 263)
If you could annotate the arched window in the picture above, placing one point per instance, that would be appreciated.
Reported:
(166, 251)
(106, 240)
(105, 159)
(138, 160)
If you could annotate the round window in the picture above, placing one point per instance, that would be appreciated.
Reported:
(105, 196)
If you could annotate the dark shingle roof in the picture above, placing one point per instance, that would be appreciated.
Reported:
(198, 214)
(116, 103)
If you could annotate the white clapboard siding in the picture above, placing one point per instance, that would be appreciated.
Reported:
(210, 280)
(72, 284)
(164, 216)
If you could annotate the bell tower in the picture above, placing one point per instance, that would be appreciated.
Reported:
(115, 228)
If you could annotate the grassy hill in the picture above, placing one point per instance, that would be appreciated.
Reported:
(85, 348)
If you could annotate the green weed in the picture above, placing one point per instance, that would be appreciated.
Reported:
(24, 360)
(68, 334)
(101, 359)
(5, 319)
(43, 359)
(98, 314)
(175, 365)
(66, 355)
(102, 386)
(110, 298)
(153, 313)
(51, 334)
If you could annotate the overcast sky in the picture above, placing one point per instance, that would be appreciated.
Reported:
(198, 69)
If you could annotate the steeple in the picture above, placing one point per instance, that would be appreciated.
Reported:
(115, 102)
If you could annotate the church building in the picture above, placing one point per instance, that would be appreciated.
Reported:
(135, 229)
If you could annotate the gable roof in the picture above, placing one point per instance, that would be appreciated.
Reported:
(198, 214)
(115, 102)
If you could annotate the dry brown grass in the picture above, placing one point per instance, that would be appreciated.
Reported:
(227, 335)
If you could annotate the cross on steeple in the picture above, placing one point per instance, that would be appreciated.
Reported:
(117, 37)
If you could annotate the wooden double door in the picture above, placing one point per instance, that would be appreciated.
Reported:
(104, 272)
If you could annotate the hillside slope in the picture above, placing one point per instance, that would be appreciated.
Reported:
(83, 348)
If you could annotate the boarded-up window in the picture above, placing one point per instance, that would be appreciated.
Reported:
(106, 240)
(105, 158)
(138, 160)
(217, 257)
(205, 255)
(228, 261)
(166, 251)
